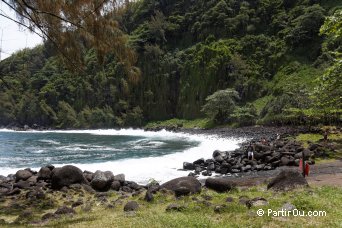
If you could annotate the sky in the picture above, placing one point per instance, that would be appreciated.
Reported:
(12, 37)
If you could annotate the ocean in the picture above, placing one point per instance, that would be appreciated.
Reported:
(141, 155)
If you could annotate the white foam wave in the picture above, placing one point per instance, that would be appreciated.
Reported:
(53, 142)
(161, 168)
(165, 167)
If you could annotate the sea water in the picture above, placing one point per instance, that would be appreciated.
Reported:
(141, 155)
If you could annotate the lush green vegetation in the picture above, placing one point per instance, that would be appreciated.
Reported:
(196, 213)
(279, 56)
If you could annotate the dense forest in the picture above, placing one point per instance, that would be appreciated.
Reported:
(233, 61)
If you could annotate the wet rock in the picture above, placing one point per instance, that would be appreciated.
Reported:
(66, 176)
(188, 166)
(219, 184)
(199, 161)
(131, 206)
(207, 173)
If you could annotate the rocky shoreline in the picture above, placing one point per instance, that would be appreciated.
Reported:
(27, 191)
(271, 154)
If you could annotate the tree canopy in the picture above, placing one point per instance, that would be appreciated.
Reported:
(74, 26)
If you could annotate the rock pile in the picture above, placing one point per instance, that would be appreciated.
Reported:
(53, 178)
(266, 157)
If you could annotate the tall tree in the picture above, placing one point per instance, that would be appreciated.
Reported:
(75, 25)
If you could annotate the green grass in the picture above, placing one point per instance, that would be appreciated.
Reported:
(197, 123)
(199, 214)
(335, 138)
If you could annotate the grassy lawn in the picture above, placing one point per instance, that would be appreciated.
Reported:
(198, 212)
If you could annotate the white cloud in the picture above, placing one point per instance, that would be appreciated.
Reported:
(14, 38)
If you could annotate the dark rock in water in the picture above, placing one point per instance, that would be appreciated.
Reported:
(287, 180)
(66, 176)
(44, 173)
(175, 207)
(22, 175)
(219, 158)
(65, 210)
(198, 169)
(131, 206)
(211, 166)
(102, 180)
(115, 185)
(190, 183)
(206, 173)
(217, 153)
(199, 161)
(219, 184)
(188, 166)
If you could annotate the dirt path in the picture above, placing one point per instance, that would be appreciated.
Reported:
(329, 173)
(326, 174)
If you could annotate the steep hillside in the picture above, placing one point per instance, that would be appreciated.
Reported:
(270, 52)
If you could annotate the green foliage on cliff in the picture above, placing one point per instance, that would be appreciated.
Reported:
(271, 53)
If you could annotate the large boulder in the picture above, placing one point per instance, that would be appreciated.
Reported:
(219, 184)
(67, 175)
(102, 180)
(286, 180)
(184, 185)
(22, 175)
(44, 173)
